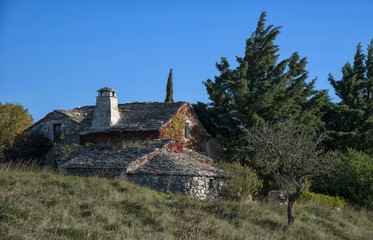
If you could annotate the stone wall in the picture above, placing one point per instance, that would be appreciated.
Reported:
(70, 129)
(277, 197)
(88, 172)
(199, 187)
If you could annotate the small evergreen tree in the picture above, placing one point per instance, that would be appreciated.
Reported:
(169, 88)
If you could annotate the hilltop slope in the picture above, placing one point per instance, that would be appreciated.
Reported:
(45, 205)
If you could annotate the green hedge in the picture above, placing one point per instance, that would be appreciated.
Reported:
(351, 178)
(322, 199)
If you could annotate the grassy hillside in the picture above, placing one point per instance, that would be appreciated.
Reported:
(40, 204)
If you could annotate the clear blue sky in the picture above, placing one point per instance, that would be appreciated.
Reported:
(56, 54)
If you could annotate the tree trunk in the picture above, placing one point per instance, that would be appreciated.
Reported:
(291, 213)
(293, 197)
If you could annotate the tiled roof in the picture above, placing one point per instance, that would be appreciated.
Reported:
(186, 163)
(146, 116)
(106, 157)
(81, 115)
(150, 158)
(137, 116)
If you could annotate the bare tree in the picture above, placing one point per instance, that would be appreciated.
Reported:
(290, 154)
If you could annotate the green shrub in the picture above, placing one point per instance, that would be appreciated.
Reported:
(28, 146)
(242, 182)
(322, 199)
(351, 177)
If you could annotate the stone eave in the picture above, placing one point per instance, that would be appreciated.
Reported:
(114, 130)
(187, 175)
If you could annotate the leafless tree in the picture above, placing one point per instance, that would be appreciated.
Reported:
(290, 154)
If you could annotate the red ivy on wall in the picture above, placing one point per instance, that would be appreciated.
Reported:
(175, 147)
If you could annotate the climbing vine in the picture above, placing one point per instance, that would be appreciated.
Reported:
(175, 147)
(174, 129)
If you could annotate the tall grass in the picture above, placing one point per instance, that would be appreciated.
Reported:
(40, 204)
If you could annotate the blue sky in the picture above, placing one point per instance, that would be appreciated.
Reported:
(56, 54)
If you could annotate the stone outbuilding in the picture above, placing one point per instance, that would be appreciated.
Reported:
(158, 144)
(154, 164)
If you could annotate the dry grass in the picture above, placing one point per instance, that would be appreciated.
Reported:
(40, 204)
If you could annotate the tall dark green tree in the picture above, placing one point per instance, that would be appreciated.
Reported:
(262, 89)
(369, 75)
(353, 83)
(350, 122)
(169, 89)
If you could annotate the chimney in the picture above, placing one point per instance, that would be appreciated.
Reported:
(106, 113)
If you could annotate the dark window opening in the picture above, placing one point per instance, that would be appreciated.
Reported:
(57, 132)
(211, 184)
(187, 130)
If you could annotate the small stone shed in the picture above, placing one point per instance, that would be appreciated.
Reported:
(155, 166)
(186, 172)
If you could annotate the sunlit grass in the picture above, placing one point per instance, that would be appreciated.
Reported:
(40, 204)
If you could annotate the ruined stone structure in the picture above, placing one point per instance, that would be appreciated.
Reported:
(152, 143)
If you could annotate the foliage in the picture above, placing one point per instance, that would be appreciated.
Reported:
(242, 182)
(70, 207)
(169, 89)
(205, 116)
(175, 147)
(28, 146)
(351, 178)
(175, 128)
(322, 199)
(290, 154)
(350, 122)
(14, 119)
(262, 89)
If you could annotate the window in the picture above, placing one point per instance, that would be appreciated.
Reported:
(187, 131)
(57, 132)
(212, 184)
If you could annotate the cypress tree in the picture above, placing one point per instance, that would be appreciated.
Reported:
(262, 89)
(169, 88)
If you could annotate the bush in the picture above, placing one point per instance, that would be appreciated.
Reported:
(322, 199)
(351, 177)
(242, 182)
(28, 146)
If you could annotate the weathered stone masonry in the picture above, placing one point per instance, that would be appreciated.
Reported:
(199, 187)
(151, 143)
(69, 129)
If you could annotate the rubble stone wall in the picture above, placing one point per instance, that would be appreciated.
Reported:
(87, 172)
(70, 129)
(200, 187)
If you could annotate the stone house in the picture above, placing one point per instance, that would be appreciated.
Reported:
(158, 144)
